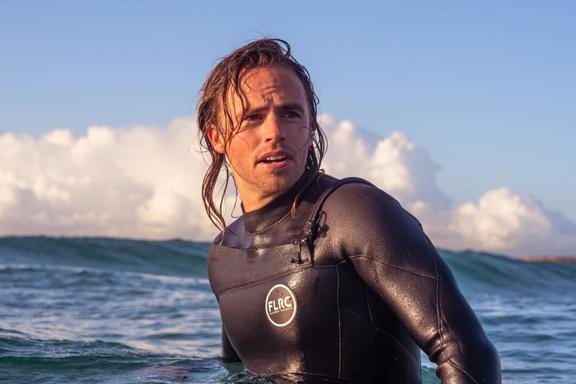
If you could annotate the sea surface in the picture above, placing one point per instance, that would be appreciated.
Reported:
(100, 310)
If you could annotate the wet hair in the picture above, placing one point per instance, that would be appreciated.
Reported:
(214, 110)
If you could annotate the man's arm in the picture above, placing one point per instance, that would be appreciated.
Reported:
(394, 257)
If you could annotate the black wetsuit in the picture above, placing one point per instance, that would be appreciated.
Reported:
(347, 293)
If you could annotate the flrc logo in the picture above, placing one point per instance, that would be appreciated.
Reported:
(280, 305)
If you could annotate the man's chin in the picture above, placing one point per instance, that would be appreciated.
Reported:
(280, 185)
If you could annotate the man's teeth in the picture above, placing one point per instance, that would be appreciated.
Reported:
(274, 158)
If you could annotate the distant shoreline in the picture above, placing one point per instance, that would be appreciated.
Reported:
(550, 259)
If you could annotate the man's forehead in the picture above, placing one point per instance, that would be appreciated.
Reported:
(268, 77)
(237, 99)
(257, 84)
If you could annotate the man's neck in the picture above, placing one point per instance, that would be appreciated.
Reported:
(252, 204)
(254, 201)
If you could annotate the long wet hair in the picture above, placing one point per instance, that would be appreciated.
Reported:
(214, 111)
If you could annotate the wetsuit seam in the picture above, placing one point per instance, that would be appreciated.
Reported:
(372, 321)
(388, 335)
(459, 348)
(457, 366)
(267, 246)
(438, 310)
(339, 321)
(370, 257)
(439, 316)
(377, 274)
(256, 282)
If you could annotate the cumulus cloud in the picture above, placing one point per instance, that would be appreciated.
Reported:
(145, 182)
(499, 221)
(502, 221)
(393, 163)
(135, 182)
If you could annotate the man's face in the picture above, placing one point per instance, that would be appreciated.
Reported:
(269, 149)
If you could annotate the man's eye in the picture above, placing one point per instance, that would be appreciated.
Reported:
(253, 117)
(290, 115)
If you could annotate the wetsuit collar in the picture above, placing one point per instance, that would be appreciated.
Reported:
(273, 212)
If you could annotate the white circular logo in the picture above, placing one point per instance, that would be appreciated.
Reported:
(280, 305)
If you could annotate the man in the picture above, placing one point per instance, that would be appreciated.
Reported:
(320, 280)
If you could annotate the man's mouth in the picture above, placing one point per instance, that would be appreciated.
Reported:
(274, 159)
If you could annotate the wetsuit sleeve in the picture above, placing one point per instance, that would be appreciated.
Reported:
(395, 258)
(228, 352)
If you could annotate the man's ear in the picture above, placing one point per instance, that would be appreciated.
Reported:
(216, 139)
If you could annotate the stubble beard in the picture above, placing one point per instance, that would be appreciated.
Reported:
(278, 182)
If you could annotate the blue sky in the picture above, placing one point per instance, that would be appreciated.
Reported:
(488, 89)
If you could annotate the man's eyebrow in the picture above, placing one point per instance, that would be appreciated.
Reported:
(281, 107)
(291, 106)
(248, 111)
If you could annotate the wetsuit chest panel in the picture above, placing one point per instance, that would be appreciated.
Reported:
(232, 268)
(282, 318)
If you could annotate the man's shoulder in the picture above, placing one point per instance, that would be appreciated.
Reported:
(355, 193)
(359, 205)
(232, 232)
(363, 219)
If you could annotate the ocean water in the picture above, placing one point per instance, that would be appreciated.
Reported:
(97, 310)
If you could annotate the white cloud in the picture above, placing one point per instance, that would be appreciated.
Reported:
(136, 182)
(393, 163)
(145, 182)
(500, 221)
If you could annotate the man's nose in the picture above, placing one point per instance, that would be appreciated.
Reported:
(273, 129)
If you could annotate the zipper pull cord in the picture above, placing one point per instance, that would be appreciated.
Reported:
(305, 240)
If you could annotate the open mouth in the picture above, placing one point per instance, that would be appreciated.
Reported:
(274, 159)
